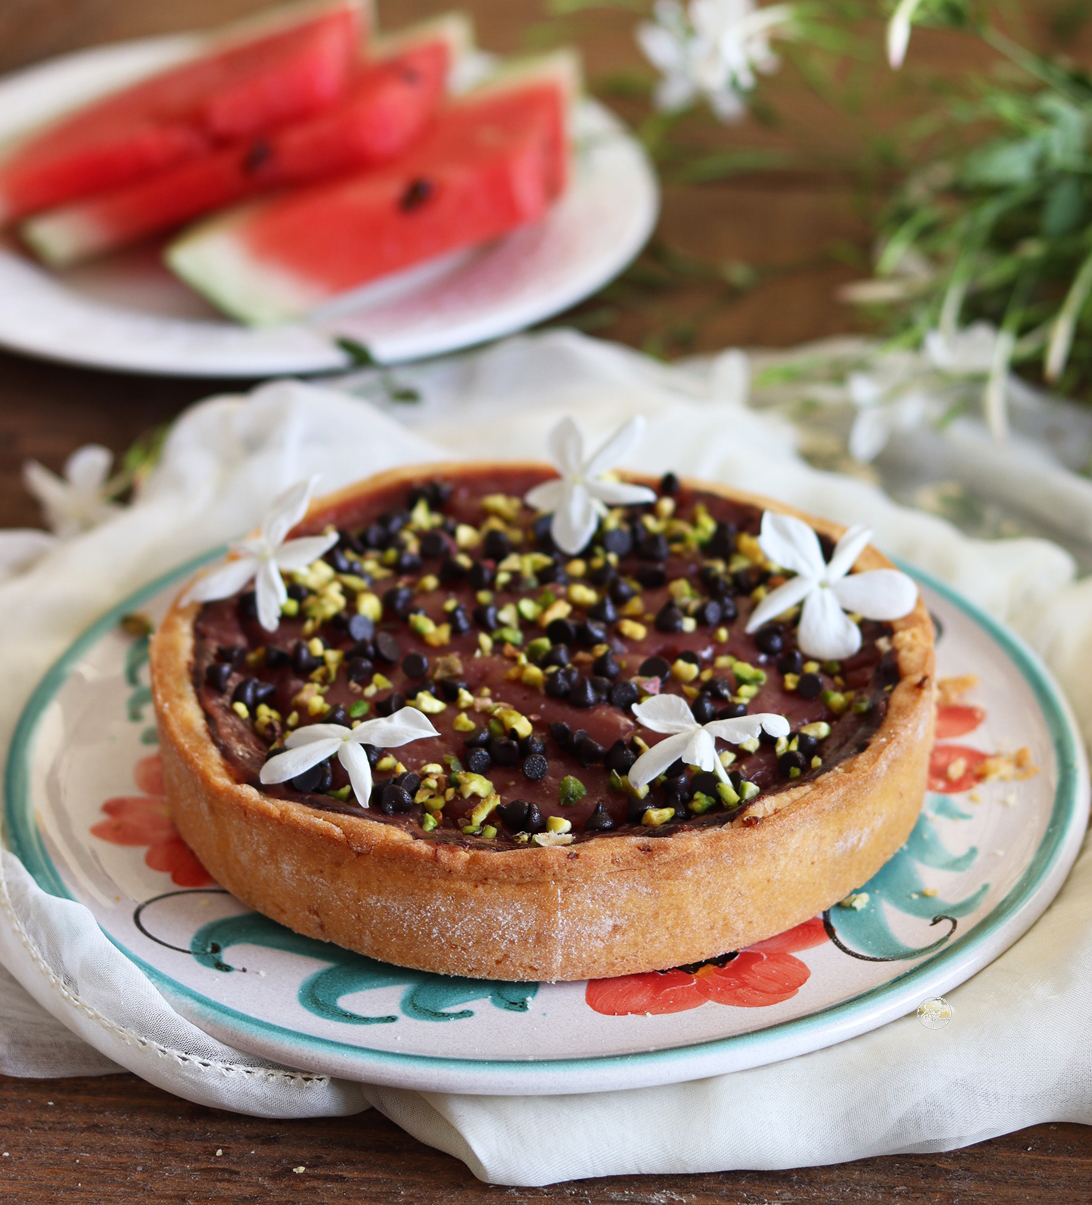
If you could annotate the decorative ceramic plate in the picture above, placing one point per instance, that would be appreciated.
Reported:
(128, 312)
(1001, 827)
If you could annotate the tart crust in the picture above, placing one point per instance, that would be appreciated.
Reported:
(601, 907)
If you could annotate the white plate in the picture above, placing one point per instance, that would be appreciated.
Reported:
(980, 867)
(128, 312)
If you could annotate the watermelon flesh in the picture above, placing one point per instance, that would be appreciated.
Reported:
(240, 88)
(387, 109)
(493, 162)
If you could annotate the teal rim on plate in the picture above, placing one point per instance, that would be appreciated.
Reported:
(989, 936)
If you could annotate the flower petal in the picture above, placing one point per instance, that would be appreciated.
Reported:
(616, 448)
(270, 594)
(565, 447)
(229, 579)
(385, 732)
(298, 554)
(846, 552)
(291, 762)
(825, 631)
(575, 521)
(287, 509)
(747, 727)
(701, 750)
(872, 428)
(316, 732)
(359, 769)
(88, 467)
(792, 544)
(653, 763)
(620, 493)
(665, 713)
(547, 496)
(780, 600)
(877, 594)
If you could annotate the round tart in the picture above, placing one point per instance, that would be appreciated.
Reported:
(514, 844)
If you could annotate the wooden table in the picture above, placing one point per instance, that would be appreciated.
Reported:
(118, 1139)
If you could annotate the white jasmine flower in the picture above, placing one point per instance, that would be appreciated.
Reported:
(581, 494)
(880, 413)
(76, 501)
(21, 548)
(898, 31)
(691, 741)
(306, 747)
(711, 49)
(264, 556)
(826, 590)
(977, 350)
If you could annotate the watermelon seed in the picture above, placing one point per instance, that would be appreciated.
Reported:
(256, 156)
(416, 194)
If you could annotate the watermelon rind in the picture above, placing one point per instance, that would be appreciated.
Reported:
(214, 261)
(455, 28)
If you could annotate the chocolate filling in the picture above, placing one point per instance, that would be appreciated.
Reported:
(449, 543)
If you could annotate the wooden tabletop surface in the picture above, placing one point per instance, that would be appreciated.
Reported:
(798, 234)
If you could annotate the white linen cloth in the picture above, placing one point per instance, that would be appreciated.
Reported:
(1019, 1049)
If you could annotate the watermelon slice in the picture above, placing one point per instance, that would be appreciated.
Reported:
(388, 108)
(289, 65)
(494, 161)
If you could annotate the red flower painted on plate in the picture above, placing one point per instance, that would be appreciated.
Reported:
(763, 974)
(955, 719)
(144, 820)
(955, 768)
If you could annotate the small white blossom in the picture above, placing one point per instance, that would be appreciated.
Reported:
(306, 747)
(978, 350)
(825, 631)
(76, 501)
(581, 494)
(710, 49)
(898, 31)
(690, 740)
(881, 412)
(264, 556)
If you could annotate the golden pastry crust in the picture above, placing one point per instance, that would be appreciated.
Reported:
(598, 908)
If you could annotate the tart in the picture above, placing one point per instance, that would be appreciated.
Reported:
(513, 844)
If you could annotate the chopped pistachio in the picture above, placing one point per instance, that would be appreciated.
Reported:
(620, 782)
(485, 644)
(782, 745)
(293, 719)
(240, 710)
(746, 692)
(748, 790)
(581, 595)
(724, 661)
(820, 730)
(570, 790)
(811, 667)
(533, 676)
(576, 568)
(816, 762)
(317, 705)
(290, 607)
(635, 607)
(749, 745)
(439, 636)
(701, 803)
(474, 784)
(368, 604)
(684, 671)
(386, 763)
(792, 681)
(476, 816)
(748, 673)
(489, 832)
(689, 624)
(504, 506)
(429, 822)
(529, 609)
(341, 793)
(548, 839)
(727, 793)
(631, 630)
(558, 824)
(463, 723)
(467, 536)
(855, 900)
(556, 610)
(835, 700)
(453, 764)
(508, 635)
(428, 703)
(861, 705)
(656, 817)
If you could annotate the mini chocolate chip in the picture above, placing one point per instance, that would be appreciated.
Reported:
(217, 675)
(410, 781)
(535, 821)
(732, 712)
(375, 536)
(387, 648)
(704, 781)
(636, 808)
(791, 663)
(392, 703)
(704, 709)
(480, 576)
(541, 529)
(599, 821)
(728, 610)
(298, 592)
(396, 799)
(621, 591)
(451, 570)
(718, 688)
(601, 686)
(555, 655)
(618, 540)
(459, 620)
(719, 587)
(532, 744)
(408, 562)
(722, 542)
(244, 693)
(765, 738)
(606, 666)
(503, 751)
(669, 618)
(398, 599)
(810, 686)
(338, 561)
(604, 610)
(415, 665)
(337, 715)
(590, 633)
(233, 654)
(449, 688)
(708, 613)
(264, 691)
(535, 767)
(670, 485)
(485, 616)
(415, 194)
(433, 545)
(601, 574)
(770, 640)
(652, 547)
(589, 751)
(478, 739)
(360, 628)
(496, 545)
(304, 662)
(791, 760)
(372, 754)
(561, 631)
(691, 656)
(620, 757)
(478, 761)
(277, 658)
(514, 814)
(553, 573)
(655, 667)
(557, 684)
(560, 733)
(677, 769)
(314, 781)
(624, 694)
(359, 668)
(807, 744)
(583, 693)
(248, 605)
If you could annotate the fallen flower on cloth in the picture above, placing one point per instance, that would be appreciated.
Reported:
(581, 495)
(77, 500)
(763, 974)
(145, 820)
(306, 747)
(691, 741)
(262, 557)
(827, 590)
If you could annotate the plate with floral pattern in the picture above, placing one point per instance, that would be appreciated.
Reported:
(128, 312)
(1002, 823)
